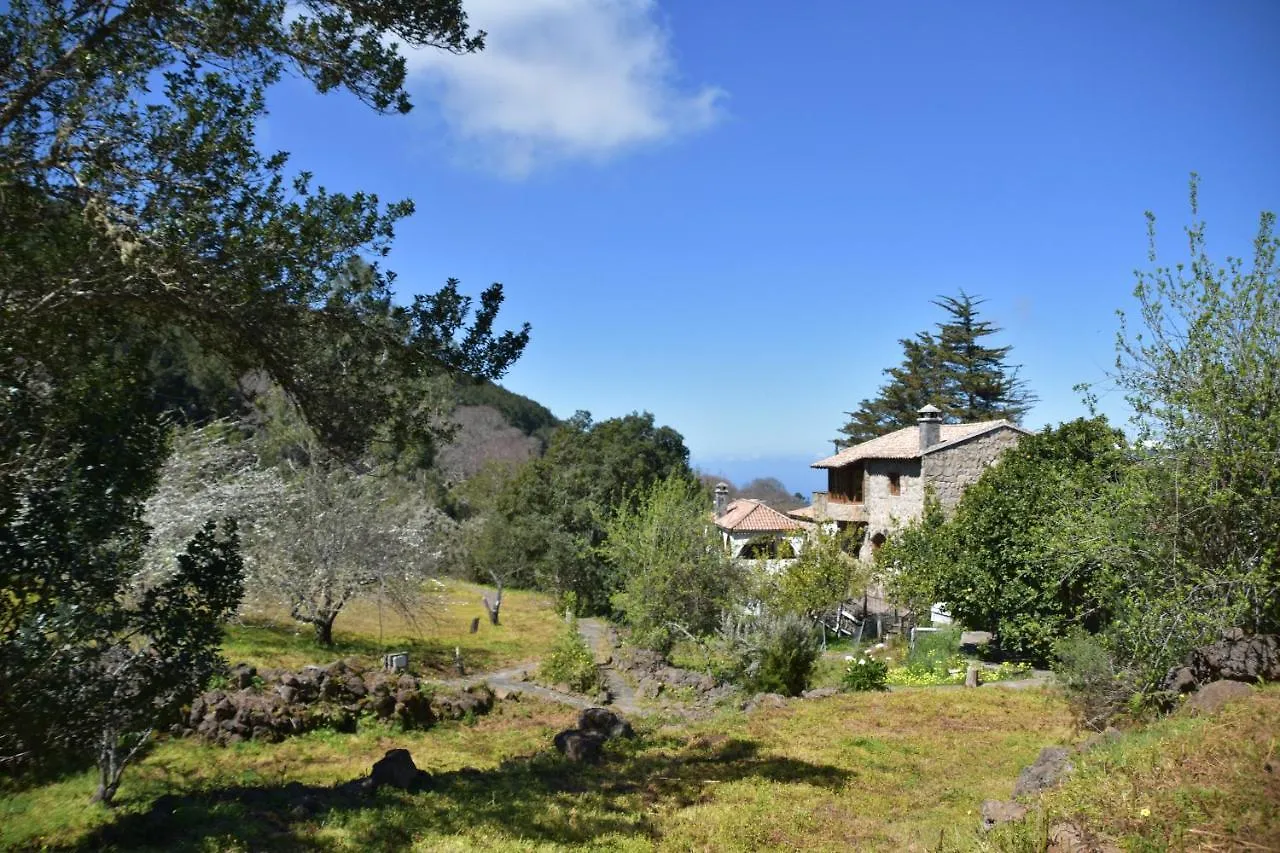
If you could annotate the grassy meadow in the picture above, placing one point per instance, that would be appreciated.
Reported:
(900, 770)
(267, 638)
(885, 771)
(1183, 783)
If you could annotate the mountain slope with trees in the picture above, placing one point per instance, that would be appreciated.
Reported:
(494, 427)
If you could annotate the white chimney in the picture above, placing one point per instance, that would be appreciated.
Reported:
(930, 422)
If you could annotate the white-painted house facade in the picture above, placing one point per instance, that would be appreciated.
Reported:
(747, 522)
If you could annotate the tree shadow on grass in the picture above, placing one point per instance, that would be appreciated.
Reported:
(539, 798)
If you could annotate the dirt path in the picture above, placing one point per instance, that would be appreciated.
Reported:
(595, 632)
(514, 678)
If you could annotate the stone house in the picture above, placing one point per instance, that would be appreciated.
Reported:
(880, 484)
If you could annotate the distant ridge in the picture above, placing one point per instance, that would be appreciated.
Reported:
(494, 425)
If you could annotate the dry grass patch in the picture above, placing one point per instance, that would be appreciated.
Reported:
(914, 766)
(268, 638)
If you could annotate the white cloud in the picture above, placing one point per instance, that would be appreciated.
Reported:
(564, 79)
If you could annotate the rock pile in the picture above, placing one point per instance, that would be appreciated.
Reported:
(1210, 698)
(397, 770)
(1050, 768)
(595, 726)
(1237, 656)
(764, 700)
(652, 675)
(275, 705)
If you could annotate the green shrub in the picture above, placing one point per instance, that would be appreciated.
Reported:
(1097, 689)
(864, 673)
(658, 638)
(570, 662)
(788, 647)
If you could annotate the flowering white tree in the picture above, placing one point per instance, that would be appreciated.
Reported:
(212, 473)
(340, 535)
(315, 536)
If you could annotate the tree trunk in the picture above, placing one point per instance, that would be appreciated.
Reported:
(493, 611)
(324, 630)
(106, 770)
(108, 784)
(113, 756)
(109, 770)
(104, 794)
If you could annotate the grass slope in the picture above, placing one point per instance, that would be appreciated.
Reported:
(268, 638)
(906, 770)
(886, 771)
(1183, 783)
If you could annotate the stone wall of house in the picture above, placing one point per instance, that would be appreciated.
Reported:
(886, 511)
(952, 470)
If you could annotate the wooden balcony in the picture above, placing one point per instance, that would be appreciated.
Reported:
(838, 507)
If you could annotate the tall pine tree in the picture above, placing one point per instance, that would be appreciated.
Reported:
(953, 369)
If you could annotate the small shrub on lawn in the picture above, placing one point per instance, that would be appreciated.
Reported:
(1096, 688)
(864, 673)
(788, 648)
(768, 654)
(570, 662)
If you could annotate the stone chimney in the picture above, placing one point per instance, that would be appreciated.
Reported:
(930, 421)
(722, 498)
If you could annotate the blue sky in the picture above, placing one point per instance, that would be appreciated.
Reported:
(728, 213)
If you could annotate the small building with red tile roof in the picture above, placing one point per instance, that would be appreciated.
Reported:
(747, 522)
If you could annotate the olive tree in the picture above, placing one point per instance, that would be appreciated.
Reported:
(824, 573)
(1200, 367)
(672, 571)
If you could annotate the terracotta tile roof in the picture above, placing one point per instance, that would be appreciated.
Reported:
(905, 443)
(749, 515)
